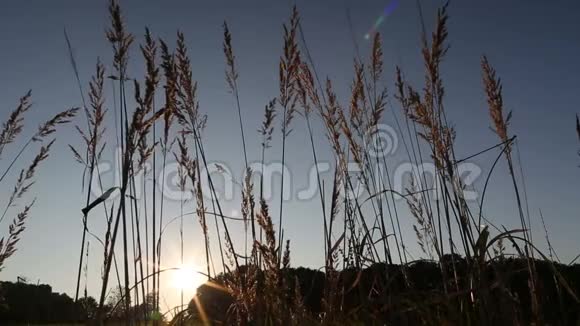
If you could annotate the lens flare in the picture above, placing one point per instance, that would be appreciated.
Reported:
(389, 9)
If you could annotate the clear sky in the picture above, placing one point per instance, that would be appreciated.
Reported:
(534, 45)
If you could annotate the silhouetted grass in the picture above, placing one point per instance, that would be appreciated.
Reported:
(467, 276)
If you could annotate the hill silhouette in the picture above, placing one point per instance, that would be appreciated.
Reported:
(369, 293)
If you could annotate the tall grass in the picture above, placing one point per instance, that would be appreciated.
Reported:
(10, 134)
(360, 236)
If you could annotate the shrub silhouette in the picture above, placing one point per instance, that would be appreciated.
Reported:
(370, 298)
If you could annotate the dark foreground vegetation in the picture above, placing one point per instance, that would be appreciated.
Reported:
(37, 304)
(380, 294)
(26, 303)
(377, 295)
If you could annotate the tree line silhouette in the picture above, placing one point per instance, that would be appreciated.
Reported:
(21, 302)
(365, 293)
(381, 295)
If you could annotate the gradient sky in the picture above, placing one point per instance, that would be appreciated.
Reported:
(534, 45)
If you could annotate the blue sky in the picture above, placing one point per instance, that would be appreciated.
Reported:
(534, 45)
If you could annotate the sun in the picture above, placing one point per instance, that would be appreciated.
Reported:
(187, 277)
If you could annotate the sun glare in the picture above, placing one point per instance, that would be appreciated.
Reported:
(187, 278)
